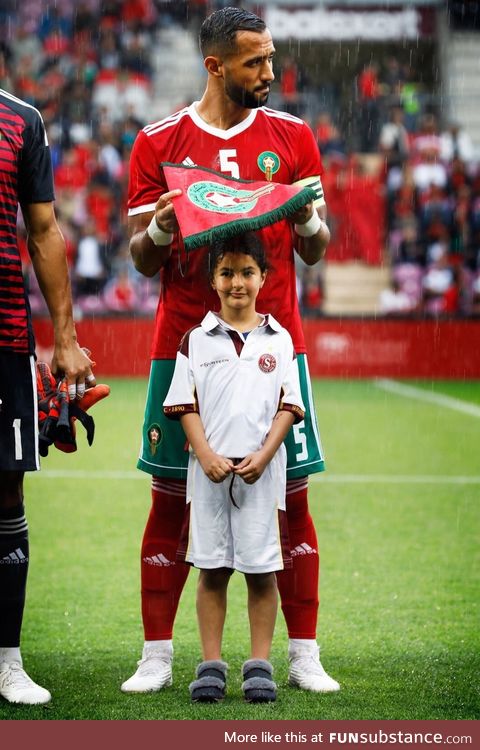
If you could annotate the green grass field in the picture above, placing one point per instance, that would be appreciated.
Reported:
(397, 514)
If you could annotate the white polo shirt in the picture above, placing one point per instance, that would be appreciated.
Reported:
(236, 385)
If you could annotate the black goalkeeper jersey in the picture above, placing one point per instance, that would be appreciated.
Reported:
(25, 177)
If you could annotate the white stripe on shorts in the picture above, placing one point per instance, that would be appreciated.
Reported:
(311, 407)
(33, 369)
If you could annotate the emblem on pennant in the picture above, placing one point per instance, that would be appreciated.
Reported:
(225, 199)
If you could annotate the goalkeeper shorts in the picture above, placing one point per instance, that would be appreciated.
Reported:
(18, 413)
(164, 447)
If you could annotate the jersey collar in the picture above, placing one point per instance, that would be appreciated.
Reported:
(218, 132)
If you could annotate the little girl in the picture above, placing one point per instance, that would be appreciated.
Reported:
(236, 391)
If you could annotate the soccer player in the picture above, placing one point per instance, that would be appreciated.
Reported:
(233, 358)
(26, 180)
(229, 130)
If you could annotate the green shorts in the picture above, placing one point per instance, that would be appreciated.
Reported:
(164, 447)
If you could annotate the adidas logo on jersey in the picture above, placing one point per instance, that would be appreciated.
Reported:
(14, 558)
(303, 549)
(188, 162)
(159, 560)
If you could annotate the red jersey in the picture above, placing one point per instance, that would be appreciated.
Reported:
(266, 145)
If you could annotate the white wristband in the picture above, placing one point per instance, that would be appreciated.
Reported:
(157, 235)
(310, 227)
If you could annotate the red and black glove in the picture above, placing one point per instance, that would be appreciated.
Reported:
(57, 415)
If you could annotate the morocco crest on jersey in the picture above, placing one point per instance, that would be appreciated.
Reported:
(213, 206)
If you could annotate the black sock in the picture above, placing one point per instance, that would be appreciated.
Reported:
(13, 573)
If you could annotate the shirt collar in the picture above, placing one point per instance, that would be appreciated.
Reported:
(210, 322)
(272, 322)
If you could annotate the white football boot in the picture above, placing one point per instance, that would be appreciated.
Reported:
(306, 671)
(154, 670)
(17, 687)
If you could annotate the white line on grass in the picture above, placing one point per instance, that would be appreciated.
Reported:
(409, 391)
(327, 477)
(394, 479)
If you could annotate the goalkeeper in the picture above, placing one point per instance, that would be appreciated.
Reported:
(26, 180)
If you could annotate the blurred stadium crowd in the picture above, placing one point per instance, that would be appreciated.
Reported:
(87, 66)
(430, 184)
(433, 203)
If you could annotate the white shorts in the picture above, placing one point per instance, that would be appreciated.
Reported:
(250, 538)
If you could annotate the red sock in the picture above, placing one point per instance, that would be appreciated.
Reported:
(298, 586)
(163, 578)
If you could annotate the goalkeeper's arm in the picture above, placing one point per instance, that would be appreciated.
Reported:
(46, 246)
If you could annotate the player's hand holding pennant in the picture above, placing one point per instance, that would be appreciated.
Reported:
(213, 206)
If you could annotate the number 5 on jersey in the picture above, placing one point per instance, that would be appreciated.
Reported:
(227, 163)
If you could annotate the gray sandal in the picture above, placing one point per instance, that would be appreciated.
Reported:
(258, 685)
(209, 687)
